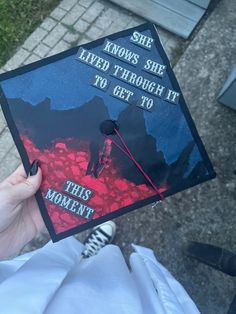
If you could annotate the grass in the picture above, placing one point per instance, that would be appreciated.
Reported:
(70, 28)
(19, 18)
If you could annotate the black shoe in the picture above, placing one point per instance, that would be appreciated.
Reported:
(213, 256)
(98, 238)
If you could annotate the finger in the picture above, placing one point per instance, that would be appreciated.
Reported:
(17, 176)
(20, 171)
(25, 189)
(38, 220)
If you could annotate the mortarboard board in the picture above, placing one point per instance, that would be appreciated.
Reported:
(110, 127)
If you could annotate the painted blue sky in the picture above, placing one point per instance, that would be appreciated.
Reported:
(67, 83)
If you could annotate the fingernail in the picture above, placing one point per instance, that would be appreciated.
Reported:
(34, 167)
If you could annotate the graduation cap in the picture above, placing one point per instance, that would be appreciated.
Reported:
(110, 126)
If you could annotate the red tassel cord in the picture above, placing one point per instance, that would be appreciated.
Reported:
(128, 153)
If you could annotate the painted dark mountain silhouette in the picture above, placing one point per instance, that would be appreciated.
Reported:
(143, 147)
(43, 126)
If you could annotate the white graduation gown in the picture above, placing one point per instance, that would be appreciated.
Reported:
(54, 279)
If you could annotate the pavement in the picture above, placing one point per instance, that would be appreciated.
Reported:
(72, 23)
(204, 213)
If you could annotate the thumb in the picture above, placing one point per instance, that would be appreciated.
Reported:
(26, 188)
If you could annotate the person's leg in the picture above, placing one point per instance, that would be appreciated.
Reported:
(40, 276)
(213, 256)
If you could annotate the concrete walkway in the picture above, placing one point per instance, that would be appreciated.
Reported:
(210, 209)
(72, 23)
(205, 213)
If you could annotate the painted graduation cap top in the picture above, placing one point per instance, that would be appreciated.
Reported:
(110, 126)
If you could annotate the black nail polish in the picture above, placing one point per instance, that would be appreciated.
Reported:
(34, 167)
